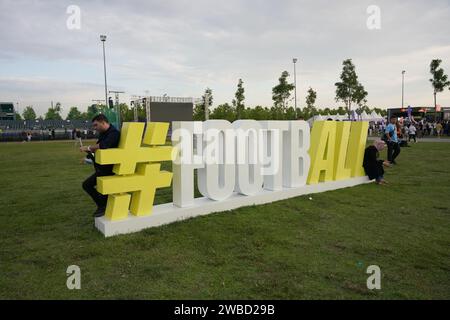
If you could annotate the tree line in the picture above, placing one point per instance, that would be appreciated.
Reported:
(349, 91)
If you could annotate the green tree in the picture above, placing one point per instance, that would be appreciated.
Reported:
(277, 113)
(290, 114)
(141, 112)
(74, 114)
(360, 95)
(340, 111)
(238, 103)
(92, 111)
(365, 109)
(53, 113)
(439, 80)
(126, 114)
(58, 107)
(382, 112)
(199, 109)
(17, 116)
(224, 111)
(282, 91)
(28, 113)
(311, 98)
(199, 112)
(257, 113)
(349, 90)
(310, 110)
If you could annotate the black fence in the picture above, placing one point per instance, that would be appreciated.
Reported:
(40, 130)
(43, 135)
(43, 124)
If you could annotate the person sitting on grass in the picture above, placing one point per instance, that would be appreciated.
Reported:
(374, 166)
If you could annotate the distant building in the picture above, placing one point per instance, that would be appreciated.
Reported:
(7, 111)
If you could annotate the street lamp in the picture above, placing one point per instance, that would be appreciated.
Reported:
(295, 83)
(103, 39)
(403, 87)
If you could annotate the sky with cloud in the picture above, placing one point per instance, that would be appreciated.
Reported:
(180, 47)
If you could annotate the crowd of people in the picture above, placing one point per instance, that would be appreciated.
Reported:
(415, 129)
(394, 135)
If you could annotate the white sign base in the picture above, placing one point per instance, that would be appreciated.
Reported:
(167, 213)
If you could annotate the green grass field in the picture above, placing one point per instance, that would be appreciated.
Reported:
(292, 249)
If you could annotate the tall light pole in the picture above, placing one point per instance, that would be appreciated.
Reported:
(103, 39)
(403, 87)
(295, 83)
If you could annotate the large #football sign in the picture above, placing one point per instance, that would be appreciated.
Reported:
(243, 163)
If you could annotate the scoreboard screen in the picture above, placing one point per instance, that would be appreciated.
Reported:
(171, 111)
(6, 111)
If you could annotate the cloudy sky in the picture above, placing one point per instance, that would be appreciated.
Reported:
(180, 47)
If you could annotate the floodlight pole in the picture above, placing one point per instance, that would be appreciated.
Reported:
(103, 39)
(403, 87)
(295, 83)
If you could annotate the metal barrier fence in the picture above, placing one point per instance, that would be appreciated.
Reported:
(43, 135)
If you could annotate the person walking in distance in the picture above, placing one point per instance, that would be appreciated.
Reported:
(438, 129)
(412, 132)
(392, 140)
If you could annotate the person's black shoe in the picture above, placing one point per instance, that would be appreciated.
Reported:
(99, 213)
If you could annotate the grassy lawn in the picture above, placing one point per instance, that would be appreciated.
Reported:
(292, 249)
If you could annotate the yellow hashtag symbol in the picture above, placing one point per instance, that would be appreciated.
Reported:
(137, 175)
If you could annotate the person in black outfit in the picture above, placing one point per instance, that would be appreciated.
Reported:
(109, 138)
(372, 165)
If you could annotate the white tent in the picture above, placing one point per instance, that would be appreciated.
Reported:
(380, 117)
(374, 116)
(318, 118)
(314, 118)
(364, 117)
(336, 117)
